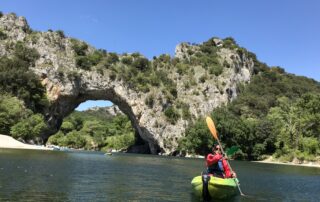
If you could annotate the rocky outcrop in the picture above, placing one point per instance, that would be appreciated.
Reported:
(68, 85)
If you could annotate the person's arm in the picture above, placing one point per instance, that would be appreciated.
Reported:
(211, 159)
(227, 171)
(226, 168)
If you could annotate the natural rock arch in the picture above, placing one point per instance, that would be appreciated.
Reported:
(80, 90)
(67, 85)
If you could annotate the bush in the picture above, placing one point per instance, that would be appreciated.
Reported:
(17, 80)
(67, 127)
(75, 140)
(83, 62)
(126, 60)
(258, 150)
(95, 57)
(229, 43)
(172, 114)
(24, 53)
(142, 64)
(208, 47)
(149, 101)
(182, 68)
(311, 145)
(165, 58)
(173, 91)
(56, 139)
(197, 139)
(12, 111)
(112, 58)
(3, 35)
(79, 47)
(216, 70)
(30, 128)
(186, 115)
(119, 142)
(61, 33)
(203, 78)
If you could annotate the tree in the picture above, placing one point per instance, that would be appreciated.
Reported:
(12, 111)
(67, 127)
(198, 139)
(30, 128)
(141, 63)
(286, 123)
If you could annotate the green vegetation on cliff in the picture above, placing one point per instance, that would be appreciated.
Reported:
(22, 97)
(277, 113)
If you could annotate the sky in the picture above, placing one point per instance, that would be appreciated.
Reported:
(282, 33)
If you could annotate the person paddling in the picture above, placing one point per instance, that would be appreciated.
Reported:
(217, 164)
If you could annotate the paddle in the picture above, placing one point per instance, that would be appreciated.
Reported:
(232, 150)
(214, 133)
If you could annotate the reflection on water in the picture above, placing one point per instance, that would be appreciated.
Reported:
(27, 175)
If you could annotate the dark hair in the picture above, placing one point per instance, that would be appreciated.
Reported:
(215, 146)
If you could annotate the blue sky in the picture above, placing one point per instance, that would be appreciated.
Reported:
(282, 33)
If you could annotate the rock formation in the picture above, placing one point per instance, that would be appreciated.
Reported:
(67, 85)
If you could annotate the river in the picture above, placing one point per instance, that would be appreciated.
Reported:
(27, 175)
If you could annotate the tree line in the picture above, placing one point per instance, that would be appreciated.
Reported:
(276, 114)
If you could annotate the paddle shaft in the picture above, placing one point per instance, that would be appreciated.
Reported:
(236, 181)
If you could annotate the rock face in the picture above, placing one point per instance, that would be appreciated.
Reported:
(67, 85)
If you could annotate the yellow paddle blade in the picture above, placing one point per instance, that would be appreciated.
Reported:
(212, 127)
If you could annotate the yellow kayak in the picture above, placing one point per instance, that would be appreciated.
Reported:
(215, 187)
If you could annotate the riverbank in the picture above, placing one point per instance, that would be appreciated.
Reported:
(271, 160)
(11, 143)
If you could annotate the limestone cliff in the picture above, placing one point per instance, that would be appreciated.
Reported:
(161, 97)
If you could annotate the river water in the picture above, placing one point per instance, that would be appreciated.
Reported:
(27, 175)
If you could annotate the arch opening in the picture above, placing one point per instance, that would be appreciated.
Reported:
(100, 124)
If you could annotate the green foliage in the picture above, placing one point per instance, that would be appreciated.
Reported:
(197, 139)
(119, 142)
(203, 78)
(310, 145)
(272, 115)
(297, 125)
(149, 101)
(83, 62)
(16, 78)
(127, 60)
(165, 58)
(112, 58)
(61, 33)
(26, 54)
(12, 111)
(216, 69)
(94, 130)
(86, 62)
(67, 127)
(29, 128)
(22, 95)
(182, 68)
(172, 114)
(141, 63)
(186, 115)
(261, 94)
(209, 47)
(79, 47)
(230, 43)
(3, 35)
